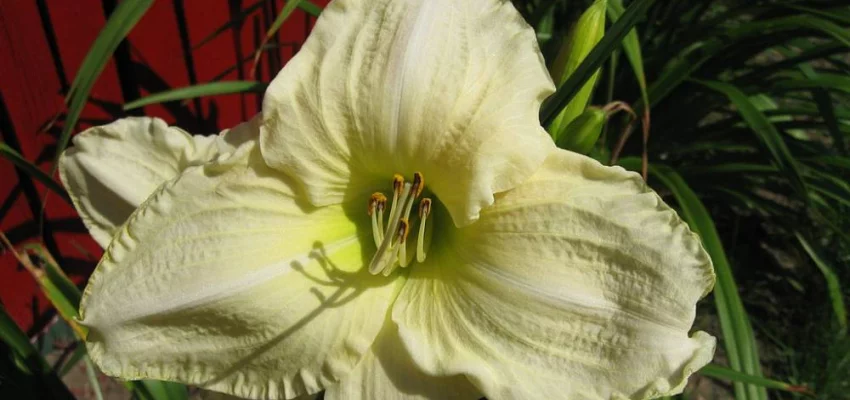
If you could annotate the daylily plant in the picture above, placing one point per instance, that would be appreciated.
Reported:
(395, 224)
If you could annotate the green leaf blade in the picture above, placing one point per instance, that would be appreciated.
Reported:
(119, 24)
(34, 171)
(719, 372)
(205, 89)
(765, 131)
(832, 281)
(631, 46)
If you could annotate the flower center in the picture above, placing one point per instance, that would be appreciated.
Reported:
(392, 241)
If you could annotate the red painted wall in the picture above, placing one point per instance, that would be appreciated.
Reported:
(43, 42)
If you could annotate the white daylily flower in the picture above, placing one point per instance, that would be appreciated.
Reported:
(530, 272)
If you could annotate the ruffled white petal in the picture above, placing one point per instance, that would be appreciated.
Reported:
(111, 169)
(224, 279)
(579, 283)
(387, 372)
(449, 88)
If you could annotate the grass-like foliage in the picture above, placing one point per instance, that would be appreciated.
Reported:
(748, 136)
(738, 114)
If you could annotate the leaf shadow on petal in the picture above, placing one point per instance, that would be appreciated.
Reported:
(349, 286)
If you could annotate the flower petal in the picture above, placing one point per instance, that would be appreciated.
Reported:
(224, 279)
(449, 88)
(580, 283)
(112, 169)
(387, 372)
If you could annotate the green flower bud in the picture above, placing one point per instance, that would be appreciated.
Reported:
(586, 33)
(583, 132)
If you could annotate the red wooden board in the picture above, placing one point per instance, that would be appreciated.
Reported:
(42, 44)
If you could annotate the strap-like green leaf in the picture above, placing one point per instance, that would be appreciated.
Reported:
(767, 134)
(91, 374)
(822, 80)
(834, 14)
(159, 390)
(310, 8)
(282, 17)
(806, 22)
(631, 46)
(63, 294)
(65, 297)
(76, 356)
(29, 358)
(276, 24)
(831, 278)
(827, 110)
(719, 372)
(122, 20)
(32, 170)
(836, 161)
(697, 54)
(204, 89)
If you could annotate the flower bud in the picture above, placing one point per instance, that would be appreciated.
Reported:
(584, 35)
(583, 132)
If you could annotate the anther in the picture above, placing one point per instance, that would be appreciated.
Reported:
(424, 211)
(424, 208)
(403, 230)
(398, 183)
(376, 206)
(418, 184)
(375, 201)
(391, 240)
(386, 250)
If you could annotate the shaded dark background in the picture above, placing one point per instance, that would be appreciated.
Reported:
(43, 42)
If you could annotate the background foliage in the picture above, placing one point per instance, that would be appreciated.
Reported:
(737, 112)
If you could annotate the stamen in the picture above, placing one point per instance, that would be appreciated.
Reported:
(424, 208)
(398, 182)
(398, 187)
(376, 203)
(376, 235)
(400, 247)
(378, 260)
(403, 230)
(396, 212)
(381, 207)
(391, 240)
(424, 211)
(416, 189)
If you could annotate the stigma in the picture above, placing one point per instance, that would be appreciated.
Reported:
(391, 234)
